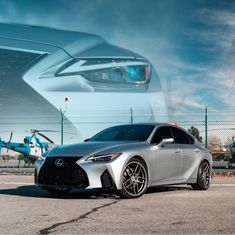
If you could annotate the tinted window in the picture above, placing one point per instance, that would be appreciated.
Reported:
(124, 133)
(180, 136)
(162, 133)
(191, 139)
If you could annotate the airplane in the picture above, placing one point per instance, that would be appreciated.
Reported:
(32, 147)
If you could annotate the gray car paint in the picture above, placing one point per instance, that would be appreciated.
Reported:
(171, 164)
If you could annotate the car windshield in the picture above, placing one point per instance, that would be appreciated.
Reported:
(124, 133)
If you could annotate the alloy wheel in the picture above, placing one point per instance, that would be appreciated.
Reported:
(135, 178)
(205, 175)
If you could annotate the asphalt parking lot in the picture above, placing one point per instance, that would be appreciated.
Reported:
(168, 210)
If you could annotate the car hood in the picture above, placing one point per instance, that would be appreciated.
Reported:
(92, 148)
(76, 44)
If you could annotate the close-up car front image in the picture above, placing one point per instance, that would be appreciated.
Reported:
(127, 159)
(41, 66)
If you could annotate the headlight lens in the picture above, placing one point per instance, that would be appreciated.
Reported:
(103, 158)
(109, 71)
(121, 75)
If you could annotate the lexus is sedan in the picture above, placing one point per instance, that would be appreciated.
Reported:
(128, 159)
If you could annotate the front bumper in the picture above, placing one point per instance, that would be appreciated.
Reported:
(78, 173)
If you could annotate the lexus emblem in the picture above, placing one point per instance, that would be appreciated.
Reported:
(59, 162)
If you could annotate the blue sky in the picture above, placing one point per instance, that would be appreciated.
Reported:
(189, 42)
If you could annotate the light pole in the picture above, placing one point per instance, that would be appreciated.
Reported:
(62, 121)
(206, 134)
(131, 115)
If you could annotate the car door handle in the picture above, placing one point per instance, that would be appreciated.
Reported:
(197, 150)
(177, 151)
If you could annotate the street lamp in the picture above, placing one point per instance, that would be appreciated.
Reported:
(62, 121)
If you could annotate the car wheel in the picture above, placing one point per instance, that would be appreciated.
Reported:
(134, 179)
(203, 177)
(58, 191)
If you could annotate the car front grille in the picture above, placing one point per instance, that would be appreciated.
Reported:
(14, 62)
(69, 174)
(18, 100)
(107, 181)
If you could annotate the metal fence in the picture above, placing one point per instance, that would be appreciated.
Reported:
(219, 123)
(216, 126)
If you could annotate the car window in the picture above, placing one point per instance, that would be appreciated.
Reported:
(109, 134)
(180, 136)
(161, 133)
(125, 133)
(192, 140)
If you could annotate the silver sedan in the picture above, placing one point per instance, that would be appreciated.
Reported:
(127, 159)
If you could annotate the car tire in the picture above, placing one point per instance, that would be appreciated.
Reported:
(203, 177)
(58, 191)
(134, 179)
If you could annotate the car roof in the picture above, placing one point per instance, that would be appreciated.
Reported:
(157, 125)
(149, 124)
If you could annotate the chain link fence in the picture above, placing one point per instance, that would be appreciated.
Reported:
(216, 127)
(216, 130)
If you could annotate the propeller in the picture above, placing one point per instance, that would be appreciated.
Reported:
(45, 137)
(37, 131)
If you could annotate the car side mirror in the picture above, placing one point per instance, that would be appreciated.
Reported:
(166, 141)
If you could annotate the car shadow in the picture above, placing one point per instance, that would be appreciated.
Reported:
(167, 188)
(33, 191)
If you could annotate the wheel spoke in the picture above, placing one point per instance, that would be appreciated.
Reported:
(206, 170)
(141, 180)
(204, 181)
(138, 169)
(137, 165)
(128, 170)
(135, 186)
(127, 183)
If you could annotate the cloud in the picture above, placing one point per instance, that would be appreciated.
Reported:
(215, 78)
(148, 30)
(220, 31)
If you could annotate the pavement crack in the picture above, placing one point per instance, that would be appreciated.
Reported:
(81, 217)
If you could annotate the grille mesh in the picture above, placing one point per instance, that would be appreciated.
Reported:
(19, 102)
(14, 62)
(69, 174)
(107, 181)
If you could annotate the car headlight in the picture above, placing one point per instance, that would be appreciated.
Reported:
(103, 158)
(109, 71)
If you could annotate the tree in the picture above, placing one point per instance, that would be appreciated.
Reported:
(27, 160)
(5, 158)
(214, 142)
(20, 158)
(195, 132)
(230, 141)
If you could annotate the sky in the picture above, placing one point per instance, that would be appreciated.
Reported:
(190, 43)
